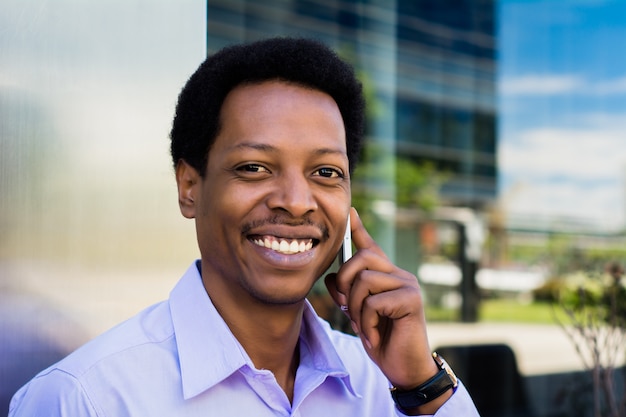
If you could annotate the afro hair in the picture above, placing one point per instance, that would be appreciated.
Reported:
(301, 61)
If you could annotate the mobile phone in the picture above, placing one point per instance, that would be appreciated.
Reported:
(346, 248)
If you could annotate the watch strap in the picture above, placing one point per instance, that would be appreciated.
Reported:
(426, 392)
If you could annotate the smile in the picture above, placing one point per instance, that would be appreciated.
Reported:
(286, 246)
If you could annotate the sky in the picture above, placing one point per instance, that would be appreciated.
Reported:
(562, 110)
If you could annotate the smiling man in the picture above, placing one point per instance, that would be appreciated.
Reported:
(264, 140)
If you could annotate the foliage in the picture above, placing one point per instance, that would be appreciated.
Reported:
(513, 311)
(595, 321)
(549, 291)
(385, 176)
(587, 291)
(563, 255)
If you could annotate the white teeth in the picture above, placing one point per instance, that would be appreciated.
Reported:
(284, 246)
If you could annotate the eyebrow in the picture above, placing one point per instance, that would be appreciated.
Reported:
(263, 147)
(255, 146)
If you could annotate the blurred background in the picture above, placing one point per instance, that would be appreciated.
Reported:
(494, 170)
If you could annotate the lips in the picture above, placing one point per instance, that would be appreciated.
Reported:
(282, 245)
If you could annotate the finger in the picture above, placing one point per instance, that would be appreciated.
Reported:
(366, 284)
(383, 310)
(340, 298)
(366, 260)
(360, 237)
(369, 255)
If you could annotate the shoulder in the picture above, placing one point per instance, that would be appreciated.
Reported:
(118, 359)
(142, 333)
(52, 393)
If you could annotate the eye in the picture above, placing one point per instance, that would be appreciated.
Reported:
(252, 168)
(329, 173)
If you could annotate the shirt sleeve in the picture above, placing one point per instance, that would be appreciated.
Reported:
(460, 404)
(52, 394)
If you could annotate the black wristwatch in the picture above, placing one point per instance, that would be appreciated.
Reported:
(429, 390)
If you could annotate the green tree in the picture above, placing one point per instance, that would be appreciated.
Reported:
(416, 185)
(595, 321)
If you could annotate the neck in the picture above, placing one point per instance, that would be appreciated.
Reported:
(268, 333)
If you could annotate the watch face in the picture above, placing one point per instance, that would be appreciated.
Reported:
(441, 362)
(452, 376)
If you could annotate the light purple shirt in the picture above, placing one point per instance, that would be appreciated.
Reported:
(179, 358)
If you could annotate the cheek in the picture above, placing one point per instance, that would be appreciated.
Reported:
(221, 198)
(337, 207)
(216, 216)
(225, 210)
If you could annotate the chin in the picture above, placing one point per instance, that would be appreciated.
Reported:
(281, 295)
(280, 299)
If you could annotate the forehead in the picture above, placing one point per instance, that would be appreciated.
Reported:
(275, 110)
(265, 97)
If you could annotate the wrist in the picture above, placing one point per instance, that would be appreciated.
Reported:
(429, 395)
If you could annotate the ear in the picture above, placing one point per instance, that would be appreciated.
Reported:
(188, 182)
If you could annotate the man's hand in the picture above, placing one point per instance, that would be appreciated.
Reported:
(385, 306)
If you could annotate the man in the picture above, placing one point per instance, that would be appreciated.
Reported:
(263, 142)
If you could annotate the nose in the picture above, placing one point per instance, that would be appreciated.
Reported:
(292, 193)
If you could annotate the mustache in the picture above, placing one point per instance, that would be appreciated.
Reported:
(283, 220)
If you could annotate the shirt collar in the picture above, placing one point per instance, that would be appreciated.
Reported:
(209, 353)
(317, 350)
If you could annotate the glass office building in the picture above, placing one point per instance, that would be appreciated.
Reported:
(431, 65)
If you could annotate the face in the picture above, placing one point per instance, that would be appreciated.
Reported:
(272, 206)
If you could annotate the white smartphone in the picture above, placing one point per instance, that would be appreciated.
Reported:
(346, 248)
